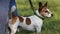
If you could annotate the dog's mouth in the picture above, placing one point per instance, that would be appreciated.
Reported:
(48, 15)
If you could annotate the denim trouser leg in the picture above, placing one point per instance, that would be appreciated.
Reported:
(4, 6)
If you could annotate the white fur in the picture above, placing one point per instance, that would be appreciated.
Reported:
(13, 8)
(38, 14)
(13, 27)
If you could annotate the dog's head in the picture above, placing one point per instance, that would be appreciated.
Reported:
(44, 11)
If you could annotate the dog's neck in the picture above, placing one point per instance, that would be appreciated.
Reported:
(39, 15)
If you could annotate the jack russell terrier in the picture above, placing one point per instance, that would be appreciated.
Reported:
(31, 23)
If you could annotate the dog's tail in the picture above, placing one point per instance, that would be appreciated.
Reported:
(11, 12)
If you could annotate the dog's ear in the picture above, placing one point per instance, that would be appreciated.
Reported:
(40, 4)
(45, 4)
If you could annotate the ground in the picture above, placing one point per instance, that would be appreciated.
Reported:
(50, 25)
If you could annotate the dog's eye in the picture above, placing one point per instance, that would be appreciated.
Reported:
(46, 11)
(45, 8)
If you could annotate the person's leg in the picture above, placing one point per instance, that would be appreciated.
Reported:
(4, 4)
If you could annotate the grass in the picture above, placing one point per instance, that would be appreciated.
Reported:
(50, 25)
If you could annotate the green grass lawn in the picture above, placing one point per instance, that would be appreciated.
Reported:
(50, 25)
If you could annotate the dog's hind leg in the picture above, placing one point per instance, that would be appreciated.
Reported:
(13, 31)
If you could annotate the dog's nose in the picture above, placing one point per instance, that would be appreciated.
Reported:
(51, 14)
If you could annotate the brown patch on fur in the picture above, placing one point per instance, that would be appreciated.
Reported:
(13, 20)
(21, 19)
(28, 21)
(12, 15)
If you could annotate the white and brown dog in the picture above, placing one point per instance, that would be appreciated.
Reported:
(31, 23)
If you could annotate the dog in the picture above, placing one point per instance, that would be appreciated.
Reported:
(31, 23)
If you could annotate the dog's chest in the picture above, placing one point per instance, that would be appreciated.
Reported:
(34, 20)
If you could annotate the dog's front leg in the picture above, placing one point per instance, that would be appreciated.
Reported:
(38, 29)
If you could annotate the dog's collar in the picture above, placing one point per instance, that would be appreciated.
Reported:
(40, 17)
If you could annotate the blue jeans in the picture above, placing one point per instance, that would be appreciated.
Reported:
(4, 7)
